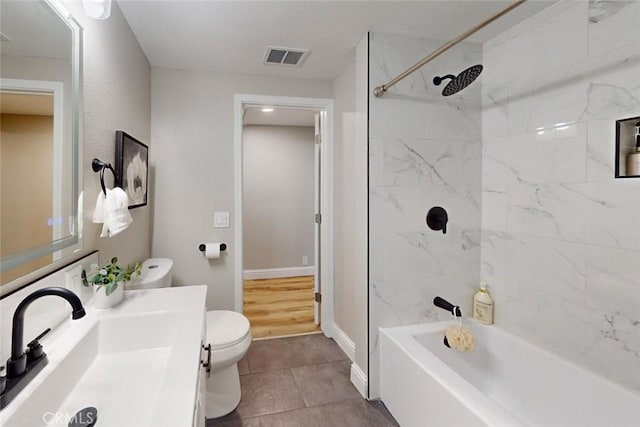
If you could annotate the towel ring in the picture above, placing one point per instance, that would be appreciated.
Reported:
(98, 165)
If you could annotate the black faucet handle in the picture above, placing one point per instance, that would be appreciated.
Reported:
(34, 348)
(446, 305)
(42, 334)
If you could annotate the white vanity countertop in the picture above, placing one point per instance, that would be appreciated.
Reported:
(137, 363)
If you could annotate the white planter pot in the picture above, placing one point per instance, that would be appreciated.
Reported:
(102, 301)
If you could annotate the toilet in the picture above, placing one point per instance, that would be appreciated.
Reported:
(227, 331)
(156, 273)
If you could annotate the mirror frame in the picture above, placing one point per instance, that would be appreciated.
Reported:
(73, 242)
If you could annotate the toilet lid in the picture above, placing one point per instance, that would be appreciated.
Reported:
(226, 328)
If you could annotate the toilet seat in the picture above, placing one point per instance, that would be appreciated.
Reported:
(226, 328)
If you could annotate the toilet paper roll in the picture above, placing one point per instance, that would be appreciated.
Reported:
(212, 250)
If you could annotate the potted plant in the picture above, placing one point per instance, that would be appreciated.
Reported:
(108, 282)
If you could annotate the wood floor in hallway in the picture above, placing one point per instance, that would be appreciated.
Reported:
(280, 307)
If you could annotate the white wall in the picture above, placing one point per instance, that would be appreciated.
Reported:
(346, 158)
(350, 93)
(424, 151)
(115, 95)
(278, 196)
(192, 133)
(561, 236)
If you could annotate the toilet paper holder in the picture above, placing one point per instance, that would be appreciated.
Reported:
(203, 247)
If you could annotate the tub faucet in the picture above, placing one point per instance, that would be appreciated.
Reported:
(23, 365)
(446, 305)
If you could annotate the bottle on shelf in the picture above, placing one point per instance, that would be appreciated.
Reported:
(633, 159)
(483, 305)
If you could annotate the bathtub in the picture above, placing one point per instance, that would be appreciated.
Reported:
(505, 381)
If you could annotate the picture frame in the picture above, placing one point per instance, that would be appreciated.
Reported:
(132, 168)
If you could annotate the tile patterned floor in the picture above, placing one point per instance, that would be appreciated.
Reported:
(300, 381)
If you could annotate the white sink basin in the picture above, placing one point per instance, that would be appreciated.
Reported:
(137, 364)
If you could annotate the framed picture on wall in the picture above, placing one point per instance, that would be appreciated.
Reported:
(132, 168)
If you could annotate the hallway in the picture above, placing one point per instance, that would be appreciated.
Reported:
(279, 307)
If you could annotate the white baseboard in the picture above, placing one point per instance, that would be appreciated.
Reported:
(272, 273)
(358, 377)
(359, 380)
(344, 342)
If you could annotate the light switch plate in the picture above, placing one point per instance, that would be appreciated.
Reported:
(221, 219)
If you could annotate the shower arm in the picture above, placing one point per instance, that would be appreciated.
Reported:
(380, 90)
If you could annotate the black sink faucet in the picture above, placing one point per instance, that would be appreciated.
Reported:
(17, 364)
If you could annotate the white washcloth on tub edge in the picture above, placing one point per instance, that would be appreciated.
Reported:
(112, 211)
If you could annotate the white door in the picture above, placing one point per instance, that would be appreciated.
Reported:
(317, 219)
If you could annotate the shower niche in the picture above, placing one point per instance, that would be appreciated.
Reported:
(628, 148)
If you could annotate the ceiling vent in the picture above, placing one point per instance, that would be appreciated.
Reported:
(285, 56)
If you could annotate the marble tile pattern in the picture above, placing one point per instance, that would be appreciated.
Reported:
(424, 151)
(300, 381)
(560, 236)
(523, 160)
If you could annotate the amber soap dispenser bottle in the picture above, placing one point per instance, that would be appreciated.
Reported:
(483, 305)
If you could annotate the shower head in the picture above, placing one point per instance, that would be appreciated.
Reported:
(460, 82)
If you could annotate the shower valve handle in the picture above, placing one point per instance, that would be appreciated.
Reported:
(437, 219)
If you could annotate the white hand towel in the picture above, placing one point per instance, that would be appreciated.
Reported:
(115, 212)
(98, 212)
(117, 215)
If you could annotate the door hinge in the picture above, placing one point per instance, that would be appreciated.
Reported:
(318, 139)
(318, 297)
(318, 218)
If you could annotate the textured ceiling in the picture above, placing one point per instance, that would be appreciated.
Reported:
(232, 36)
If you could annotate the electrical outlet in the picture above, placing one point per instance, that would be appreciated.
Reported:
(305, 260)
(73, 280)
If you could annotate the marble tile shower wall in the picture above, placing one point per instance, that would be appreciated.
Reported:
(560, 235)
(425, 151)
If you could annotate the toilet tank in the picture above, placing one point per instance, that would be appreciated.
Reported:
(156, 273)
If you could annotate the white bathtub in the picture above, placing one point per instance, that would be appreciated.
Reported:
(505, 381)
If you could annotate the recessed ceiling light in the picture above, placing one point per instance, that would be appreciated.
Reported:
(267, 110)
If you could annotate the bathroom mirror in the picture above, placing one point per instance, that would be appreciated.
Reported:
(40, 75)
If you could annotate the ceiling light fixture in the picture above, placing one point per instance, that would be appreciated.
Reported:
(267, 110)
(97, 9)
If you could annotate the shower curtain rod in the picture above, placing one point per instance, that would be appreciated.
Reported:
(380, 90)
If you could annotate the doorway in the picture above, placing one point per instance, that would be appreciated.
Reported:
(283, 214)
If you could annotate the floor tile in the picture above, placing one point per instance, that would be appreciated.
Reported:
(326, 346)
(325, 383)
(243, 366)
(233, 420)
(282, 353)
(349, 413)
(268, 392)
